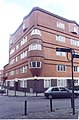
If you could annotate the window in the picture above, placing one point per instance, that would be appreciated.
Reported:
(16, 59)
(55, 89)
(35, 46)
(76, 30)
(12, 61)
(61, 68)
(75, 68)
(75, 82)
(24, 54)
(24, 26)
(60, 25)
(17, 47)
(6, 74)
(12, 51)
(35, 64)
(24, 40)
(23, 83)
(60, 38)
(74, 42)
(11, 83)
(23, 69)
(61, 82)
(63, 89)
(47, 83)
(61, 53)
(12, 73)
(36, 32)
(11, 41)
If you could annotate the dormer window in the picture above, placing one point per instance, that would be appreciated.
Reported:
(11, 41)
(23, 25)
(36, 32)
(75, 30)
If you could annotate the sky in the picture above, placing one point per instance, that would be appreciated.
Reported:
(12, 13)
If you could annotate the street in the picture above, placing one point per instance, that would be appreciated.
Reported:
(11, 107)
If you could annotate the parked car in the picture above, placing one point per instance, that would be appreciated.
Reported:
(2, 90)
(59, 92)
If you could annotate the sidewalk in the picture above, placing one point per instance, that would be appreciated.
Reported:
(19, 93)
(56, 114)
(60, 113)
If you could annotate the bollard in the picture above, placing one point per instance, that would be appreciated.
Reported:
(7, 91)
(71, 102)
(25, 108)
(51, 104)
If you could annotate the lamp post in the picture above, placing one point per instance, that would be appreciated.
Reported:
(70, 50)
(73, 104)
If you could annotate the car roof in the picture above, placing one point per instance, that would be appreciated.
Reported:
(57, 87)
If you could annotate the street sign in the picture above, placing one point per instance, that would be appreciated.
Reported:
(75, 56)
(63, 49)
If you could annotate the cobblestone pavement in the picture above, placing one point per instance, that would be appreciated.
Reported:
(55, 114)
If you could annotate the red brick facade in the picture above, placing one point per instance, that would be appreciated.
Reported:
(32, 51)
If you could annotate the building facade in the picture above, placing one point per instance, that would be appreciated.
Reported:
(1, 77)
(34, 64)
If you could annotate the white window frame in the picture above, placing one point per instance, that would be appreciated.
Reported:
(76, 82)
(23, 69)
(12, 61)
(24, 26)
(17, 47)
(60, 25)
(11, 41)
(60, 38)
(36, 64)
(11, 83)
(47, 83)
(35, 46)
(24, 40)
(75, 68)
(75, 30)
(74, 42)
(23, 54)
(12, 73)
(23, 83)
(12, 51)
(16, 58)
(61, 82)
(36, 32)
(61, 68)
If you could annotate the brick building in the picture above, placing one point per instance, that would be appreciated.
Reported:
(1, 77)
(34, 64)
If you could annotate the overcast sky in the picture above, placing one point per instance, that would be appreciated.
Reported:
(13, 11)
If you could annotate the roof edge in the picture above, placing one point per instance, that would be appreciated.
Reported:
(47, 12)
